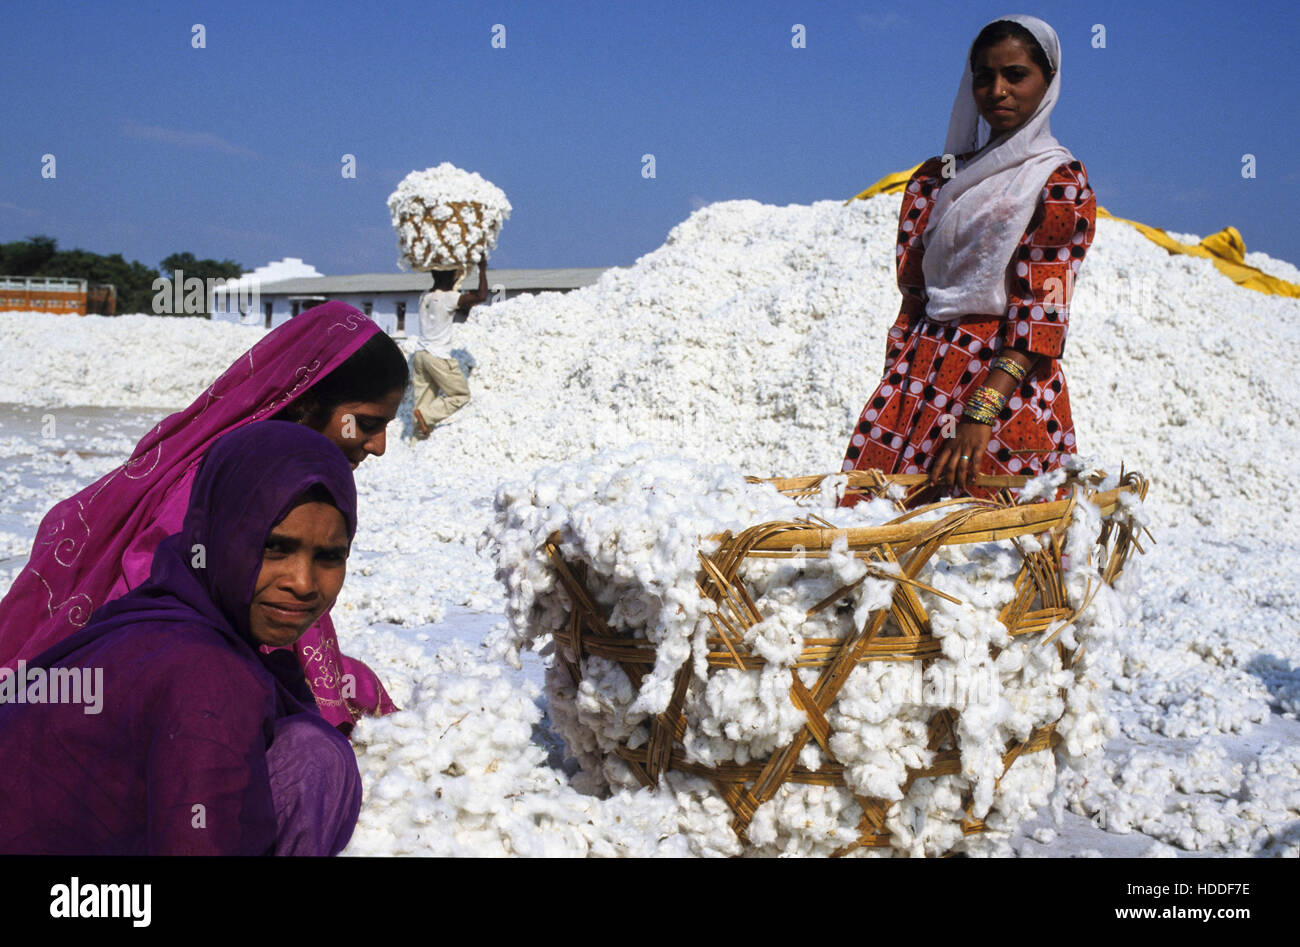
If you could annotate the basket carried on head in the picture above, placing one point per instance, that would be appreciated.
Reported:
(900, 632)
(443, 241)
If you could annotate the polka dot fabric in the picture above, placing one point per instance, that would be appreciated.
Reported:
(931, 368)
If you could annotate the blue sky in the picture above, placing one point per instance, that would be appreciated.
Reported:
(234, 150)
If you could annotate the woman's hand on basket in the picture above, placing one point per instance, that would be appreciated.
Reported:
(961, 458)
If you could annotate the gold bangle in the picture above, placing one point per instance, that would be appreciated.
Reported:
(984, 405)
(1011, 367)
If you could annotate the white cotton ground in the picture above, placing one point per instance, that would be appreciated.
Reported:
(753, 336)
(423, 202)
(456, 773)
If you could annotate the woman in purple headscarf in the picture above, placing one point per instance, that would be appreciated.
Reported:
(182, 735)
(330, 368)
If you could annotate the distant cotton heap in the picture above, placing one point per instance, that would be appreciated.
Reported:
(445, 217)
(636, 520)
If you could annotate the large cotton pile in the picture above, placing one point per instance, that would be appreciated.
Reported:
(445, 217)
(52, 361)
(752, 337)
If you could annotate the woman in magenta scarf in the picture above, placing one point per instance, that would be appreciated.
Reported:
(184, 734)
(330, 368)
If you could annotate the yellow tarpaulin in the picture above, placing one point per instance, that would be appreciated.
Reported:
(889, 184)
(1225, 249)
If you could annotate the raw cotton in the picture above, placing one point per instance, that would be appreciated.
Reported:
(445, 217)
(752, 336)
(637, 521)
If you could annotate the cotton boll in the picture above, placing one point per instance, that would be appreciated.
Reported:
(921, 823)
(805, 821)
(872, 595)
(751, 712)
(811, 757)
(763, 828)
(603, 701)
(1042, 487)
(776, 639)
(875, 736)
(848, 569)
(1024, 789)
(877, 774)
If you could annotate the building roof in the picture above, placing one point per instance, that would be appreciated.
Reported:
(49, 283)
(511, 280)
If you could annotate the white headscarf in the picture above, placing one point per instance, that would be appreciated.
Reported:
(983, 210)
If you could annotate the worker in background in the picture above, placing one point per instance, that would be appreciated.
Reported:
(440, 386)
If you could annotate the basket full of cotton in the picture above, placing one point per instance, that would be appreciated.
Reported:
(446, 217)
(826, 679)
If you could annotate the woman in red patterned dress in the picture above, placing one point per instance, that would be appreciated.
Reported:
(990, 240)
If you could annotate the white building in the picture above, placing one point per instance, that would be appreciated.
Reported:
(269, 295)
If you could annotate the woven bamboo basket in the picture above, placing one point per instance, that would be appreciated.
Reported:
(437, 238)
(898, 633)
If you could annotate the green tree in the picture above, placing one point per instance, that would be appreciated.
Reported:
(203, 269)
(186, 266)
(26, 257)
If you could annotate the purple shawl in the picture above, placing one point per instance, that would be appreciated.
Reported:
(172, 756)
(93, 547)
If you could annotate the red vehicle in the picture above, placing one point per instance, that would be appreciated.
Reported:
(55, 294)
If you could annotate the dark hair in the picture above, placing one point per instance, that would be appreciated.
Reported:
(999, 30)
(444, 279)
(320, 493)
(371, 373)
(316, 493)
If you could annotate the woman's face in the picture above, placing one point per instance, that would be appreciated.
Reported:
(304, 562)
(1007, 85)
(359, 427)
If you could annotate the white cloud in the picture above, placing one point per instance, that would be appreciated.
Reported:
(881, 22)
(205, 141)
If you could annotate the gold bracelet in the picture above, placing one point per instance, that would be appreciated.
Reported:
(984, 405)
(1011, 367)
